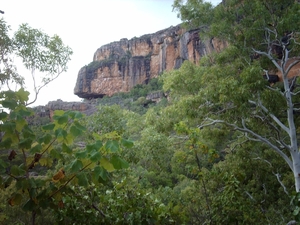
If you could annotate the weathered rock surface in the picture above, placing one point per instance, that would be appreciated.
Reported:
(47, 111)
(86, 108)
(155, 96)
(119, 66)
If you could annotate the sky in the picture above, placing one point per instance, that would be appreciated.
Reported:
(85, 26)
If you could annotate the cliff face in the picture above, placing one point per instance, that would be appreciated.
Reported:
(47, 111)
(119, 66)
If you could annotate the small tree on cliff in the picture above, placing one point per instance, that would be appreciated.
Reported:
(264, 40)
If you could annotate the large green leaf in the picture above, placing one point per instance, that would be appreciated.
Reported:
(126, 143)
(3, 115)
(22, 184)
(82, 179)
(106, 164)
(79, 126)
(99, 172)
(25, 143)
(3, 164)
(94, 147)
(10, 104)
(36, 148)
(98, 144)
(95, 157)
(6, 143)
(8, 127)
(15, 200)
(24, 112)
(29, 205)
(119, 163)
(23, 95)
(75, 114)
(61, 134)
(46, 161)
(66, 148)
(112, 145)
(20, 123)
(96, 172)
(16, 171)
(75, 131)
(28, 133)
(49, 126)
(56, 154)
(47, 138)
(62, 119)
(81, 154)
(76, 165)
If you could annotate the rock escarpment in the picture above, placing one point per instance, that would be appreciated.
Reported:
(85, 107)
(47, 111)
(119, 66)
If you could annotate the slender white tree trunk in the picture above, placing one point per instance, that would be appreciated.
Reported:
(296, 165)
(291, 122)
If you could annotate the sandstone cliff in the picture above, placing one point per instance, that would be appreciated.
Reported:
(47, 111)
(120, 65)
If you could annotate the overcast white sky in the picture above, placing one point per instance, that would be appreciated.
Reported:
(85, 26)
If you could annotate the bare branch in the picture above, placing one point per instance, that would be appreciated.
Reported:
(250, 196)
(256, 136)
(270, 57)
(258, 158)
(276, 120)
(275, 89)
(275, 128)
(37, 90)
(282, 185)
(292, 222)
(97, 209)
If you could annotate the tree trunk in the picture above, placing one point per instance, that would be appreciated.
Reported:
(33, 217)
(291, 120)
(296, 166)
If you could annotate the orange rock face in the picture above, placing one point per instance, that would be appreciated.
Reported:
(119, 66)
(295, 70)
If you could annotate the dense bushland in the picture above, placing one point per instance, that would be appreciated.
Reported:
(222, 148)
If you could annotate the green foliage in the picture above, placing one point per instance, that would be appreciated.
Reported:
(15, 215)
(8, 72)
(91, 67)
(135, 100)
(227, 91)
(39, 51)
(156, 154)
(123, 203)
(79, 167)
(107, 119)
(86, 170)
(194, 13)
(295, 202)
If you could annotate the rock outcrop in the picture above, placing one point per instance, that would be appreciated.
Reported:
(47, 111)
(85, 107)
(119, 66)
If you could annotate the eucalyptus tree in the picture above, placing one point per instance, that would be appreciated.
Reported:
(8, 72)
(263, 40)
(39, 171)
(44, 56)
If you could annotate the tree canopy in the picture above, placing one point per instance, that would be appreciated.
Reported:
(220, 148)
(45, 57)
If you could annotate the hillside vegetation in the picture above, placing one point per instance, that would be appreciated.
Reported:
(219, 147)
